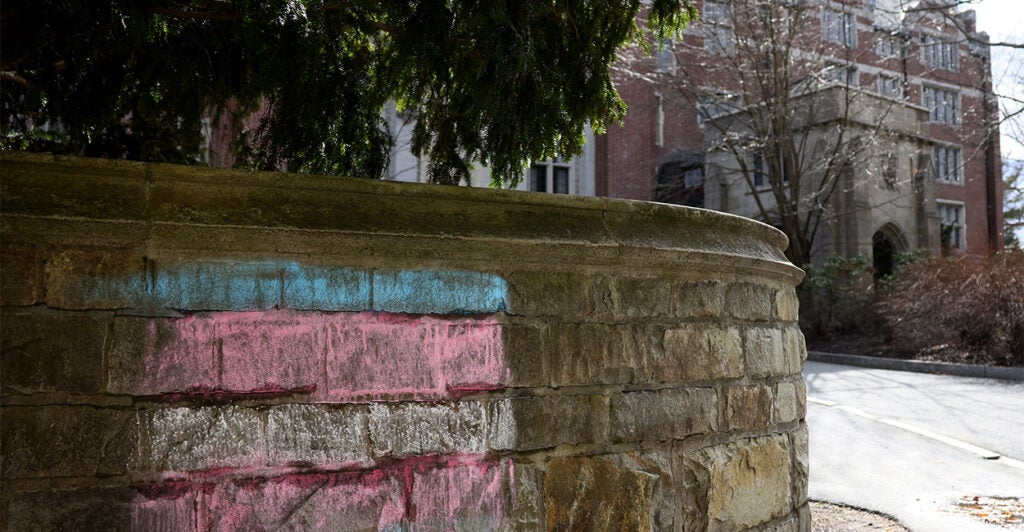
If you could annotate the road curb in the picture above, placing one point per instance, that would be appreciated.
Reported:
(917, 366)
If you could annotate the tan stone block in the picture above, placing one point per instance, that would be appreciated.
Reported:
(527, 423)
(632, 298)
(787, 305)
(799, 445)
(705, 352)
(663, 415)
(795, 350)
(748, 408)
(596, 494)
(698, 300)
(88, 279)
(736, 486)
(749, 301)
(787, 407)
(765, 354)
(548, 294)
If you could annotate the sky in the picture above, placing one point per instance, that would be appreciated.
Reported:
(1003, 20)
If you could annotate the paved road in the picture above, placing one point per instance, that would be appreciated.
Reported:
(911, 444)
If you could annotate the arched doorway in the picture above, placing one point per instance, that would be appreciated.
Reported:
(885, 244)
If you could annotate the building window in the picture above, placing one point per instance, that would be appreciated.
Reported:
(843, 74)
(939, 52)
(550, 176)
(665, 58)
(947, 163)
(887, 46)
(942, 104)
(839, 28)
(714, 103)
(889, 85)
(951, 223)
(719, 37)
(763, 171)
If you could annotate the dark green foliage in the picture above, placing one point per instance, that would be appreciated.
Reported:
(838, 297)
(501, 82)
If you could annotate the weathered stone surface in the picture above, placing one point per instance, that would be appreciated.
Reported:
(542, 422)
(52, 351)
(67, 441)
(705, 352)
(18, 284)
(527, 499)
(735, 486)
(94, 279)
(404, 429)
(749, 301)
(701, 299)
(795, 350)
(801, 463)
(596, 494)
(168, 509)
(214, 437)
(587, 353)
(438, 292)
(524, 355)
(461, 496)
(548, 294)
(321, 435)
(325, 288)
(81, 509)
(152, 356)
(748, 407)
(787, 305)
(632, 298)
(306, 502)
(214, 285)
(664, 414)
(786, 403)
(765, 354)
(665, 498)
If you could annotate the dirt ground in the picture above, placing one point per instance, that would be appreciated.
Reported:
(827, 517)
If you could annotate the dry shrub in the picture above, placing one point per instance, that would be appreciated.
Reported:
(959, 309)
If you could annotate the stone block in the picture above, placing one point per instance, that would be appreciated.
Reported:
(765, 354)
(787, 405)
(795, 350)
(94, 279)
(19, 283)
(566, 295)
(627, 298)
(405, 429)
(68, 441)
(527, 498)
(524, 355)
(438, 292)
(317, 435)
(475, 495)
(787, 305)
(203, 438)
(175, 507)
(748, 407)
(77, 509)
(213, 285)
(736, 485)
(643, 353)
(325, 288)
(153, 356)
(587, 353)
(749, 301)
(305, 502)
(705, 352)
(268, 351)
(52, 352)
(700, 300)
(799, 444)
(544, 422)
(663, 415)
(593, 493)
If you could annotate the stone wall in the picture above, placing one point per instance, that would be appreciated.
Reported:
(196, 349)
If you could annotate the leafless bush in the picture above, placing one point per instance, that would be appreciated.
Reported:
(966, 309)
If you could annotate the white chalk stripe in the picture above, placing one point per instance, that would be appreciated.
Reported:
(973, 449)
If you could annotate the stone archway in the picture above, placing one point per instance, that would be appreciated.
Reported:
(887, 241)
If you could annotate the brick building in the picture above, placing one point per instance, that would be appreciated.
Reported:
(917, 81)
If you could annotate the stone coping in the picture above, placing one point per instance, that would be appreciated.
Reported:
(134, 203)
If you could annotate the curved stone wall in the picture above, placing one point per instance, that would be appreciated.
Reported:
(196, 349)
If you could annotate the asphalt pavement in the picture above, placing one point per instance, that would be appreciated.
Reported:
(912, 445)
